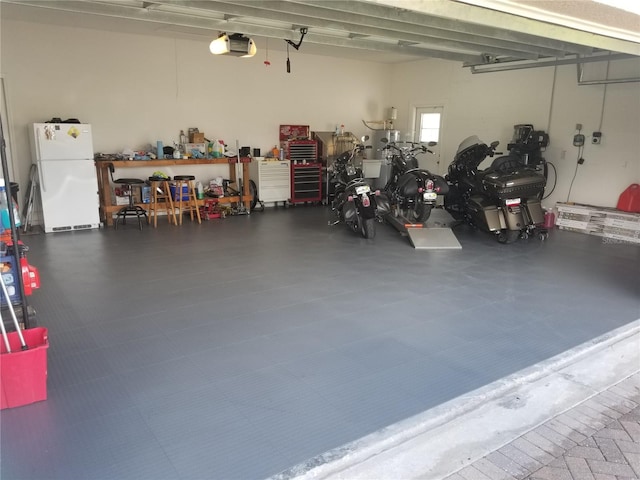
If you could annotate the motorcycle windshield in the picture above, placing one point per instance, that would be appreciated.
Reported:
(467, 144)
(471, 152)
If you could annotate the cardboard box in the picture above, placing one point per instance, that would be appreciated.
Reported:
(196, 137)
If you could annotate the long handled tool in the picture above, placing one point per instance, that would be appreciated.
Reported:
(4, 335)
(242, 210)
(13, 315)
(32, 189)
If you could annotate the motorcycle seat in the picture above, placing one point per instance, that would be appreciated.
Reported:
(508, 163)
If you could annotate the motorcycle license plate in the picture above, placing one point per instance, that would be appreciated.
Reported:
(512, 202)
(363, 189)
(430, 195)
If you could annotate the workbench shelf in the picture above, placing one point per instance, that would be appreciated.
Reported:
(108, 209)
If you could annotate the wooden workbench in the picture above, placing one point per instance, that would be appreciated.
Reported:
(107, 208)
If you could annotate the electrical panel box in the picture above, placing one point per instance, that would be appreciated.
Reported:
(578, 140)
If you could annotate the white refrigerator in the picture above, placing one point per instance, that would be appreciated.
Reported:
(63, 153)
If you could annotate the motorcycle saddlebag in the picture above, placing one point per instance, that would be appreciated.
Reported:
(534, 212)
(383, 205)
(408, 185)
(485, 214)
(521, 184)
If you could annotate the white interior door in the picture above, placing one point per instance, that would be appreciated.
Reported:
(428, 124)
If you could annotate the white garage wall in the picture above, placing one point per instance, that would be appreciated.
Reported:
(488, 105)
(137, 89)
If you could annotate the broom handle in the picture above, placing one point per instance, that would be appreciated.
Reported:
(4, 335)
(13, 314)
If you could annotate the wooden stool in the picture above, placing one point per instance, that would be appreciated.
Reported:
(131, 209)
(185, 201)
(161, 200)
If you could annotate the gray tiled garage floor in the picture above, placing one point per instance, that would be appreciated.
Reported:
(240, 347)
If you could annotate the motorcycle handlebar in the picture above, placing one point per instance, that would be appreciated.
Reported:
(414, 149)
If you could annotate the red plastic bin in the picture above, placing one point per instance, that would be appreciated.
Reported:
(23, 373)
(629, 200)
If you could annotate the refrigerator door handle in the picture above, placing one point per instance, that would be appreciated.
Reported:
(38, 155)
(42, 184)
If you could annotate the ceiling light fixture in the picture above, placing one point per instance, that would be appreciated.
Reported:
(235, 44)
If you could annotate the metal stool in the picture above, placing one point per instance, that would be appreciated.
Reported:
(132, 209)
(161, 199)
(185, 201)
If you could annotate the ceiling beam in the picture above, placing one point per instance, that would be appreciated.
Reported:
(363, 27)
(425, 18)
(481, 17)
(518, 65)
(156, 15)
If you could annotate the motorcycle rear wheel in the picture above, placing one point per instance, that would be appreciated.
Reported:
(508, 236)
(369, 228)
(420, 213)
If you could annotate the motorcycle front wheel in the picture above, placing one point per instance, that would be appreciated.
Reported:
(420, 212)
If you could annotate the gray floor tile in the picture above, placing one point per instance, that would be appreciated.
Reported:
(241, 350)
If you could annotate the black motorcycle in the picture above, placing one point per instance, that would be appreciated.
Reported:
(355, 203)
(504, 198)
(412, 191)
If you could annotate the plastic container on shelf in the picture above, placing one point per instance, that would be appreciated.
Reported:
(218, 149)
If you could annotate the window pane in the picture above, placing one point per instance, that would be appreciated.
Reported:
(429, 127)
(429, 135)
(430, 120)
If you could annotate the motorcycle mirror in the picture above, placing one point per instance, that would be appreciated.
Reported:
(495, 144)
(364, 138)
(384, 140)
(432, 144)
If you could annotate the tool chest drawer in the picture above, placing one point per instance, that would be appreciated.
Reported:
(306, 182)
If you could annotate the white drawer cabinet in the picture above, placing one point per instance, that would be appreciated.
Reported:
(273, 179)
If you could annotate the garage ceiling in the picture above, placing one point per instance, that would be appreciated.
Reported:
(473, 32)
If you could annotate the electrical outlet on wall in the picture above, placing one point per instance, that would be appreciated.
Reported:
(596, 138)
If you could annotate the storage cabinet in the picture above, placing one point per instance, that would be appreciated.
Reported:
(273, 179)
(306, 182)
